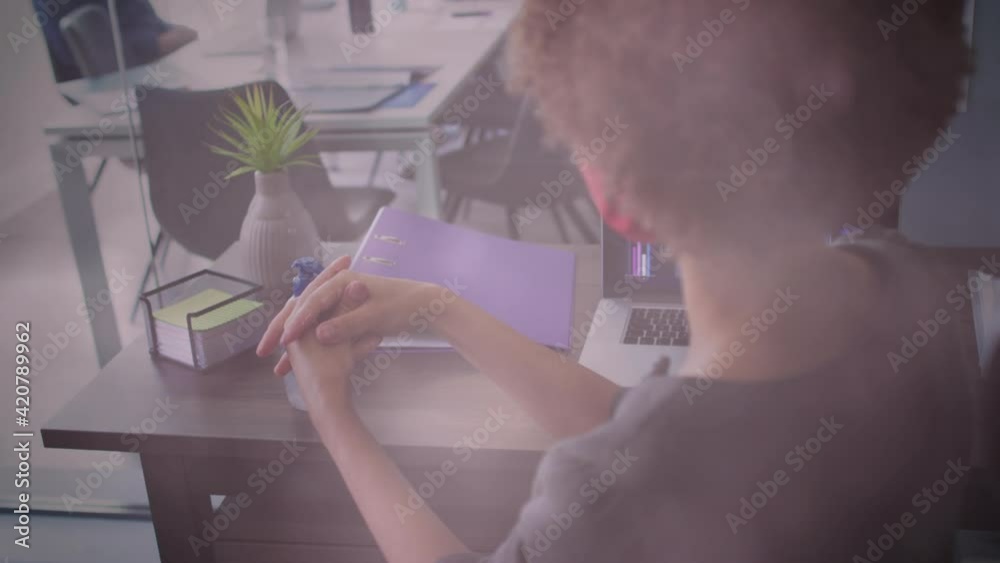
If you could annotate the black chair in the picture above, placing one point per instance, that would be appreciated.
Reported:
(87, 31)
(180, 167)
(509, 170)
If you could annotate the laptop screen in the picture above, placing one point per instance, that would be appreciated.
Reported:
(637, 270)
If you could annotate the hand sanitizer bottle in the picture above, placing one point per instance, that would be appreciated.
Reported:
(306, 270)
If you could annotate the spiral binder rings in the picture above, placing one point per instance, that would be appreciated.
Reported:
(529, 287)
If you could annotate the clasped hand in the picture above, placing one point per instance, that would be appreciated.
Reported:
(339, 319)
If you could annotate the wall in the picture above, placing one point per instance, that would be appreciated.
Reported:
(957, 201)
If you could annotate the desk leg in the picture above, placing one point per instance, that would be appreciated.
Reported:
(428, 183)
(176, 509)
(74, 194)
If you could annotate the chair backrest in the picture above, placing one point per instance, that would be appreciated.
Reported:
(190, 196)
(529, 137)
(87, 31)
(525, 144)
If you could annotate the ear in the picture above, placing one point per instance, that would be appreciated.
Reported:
(611, 208)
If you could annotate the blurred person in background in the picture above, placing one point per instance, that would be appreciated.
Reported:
(145, 36)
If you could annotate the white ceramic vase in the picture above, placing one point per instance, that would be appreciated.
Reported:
(276, 230)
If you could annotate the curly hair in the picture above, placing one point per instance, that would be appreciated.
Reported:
(699, 83)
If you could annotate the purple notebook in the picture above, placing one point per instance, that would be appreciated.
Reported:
(527, 286)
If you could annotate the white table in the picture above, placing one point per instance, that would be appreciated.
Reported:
(456, 48)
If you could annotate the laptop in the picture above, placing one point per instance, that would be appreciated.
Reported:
(640, 318)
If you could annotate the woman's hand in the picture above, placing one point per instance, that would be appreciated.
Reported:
(355, 294)
(323, 371)
(272, 336)
(363, 305)
(390, 306)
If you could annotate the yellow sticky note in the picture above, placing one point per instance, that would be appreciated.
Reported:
(177, 313)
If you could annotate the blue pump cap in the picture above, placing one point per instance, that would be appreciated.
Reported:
(306, 270)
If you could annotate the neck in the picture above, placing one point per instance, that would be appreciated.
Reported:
(772, 313)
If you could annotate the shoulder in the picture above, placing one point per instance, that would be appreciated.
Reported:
(644, 451)
(587, 499)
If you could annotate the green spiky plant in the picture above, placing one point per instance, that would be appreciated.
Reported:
(262, 136)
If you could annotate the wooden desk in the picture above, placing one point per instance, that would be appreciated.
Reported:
(235, 421)
(209, 434)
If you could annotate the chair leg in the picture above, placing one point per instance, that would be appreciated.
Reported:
(97, 175)
(560, 224)
(404, 167)
(511, 225)
(466, 207)
(166, 249)
(580, 223)
(147, 274)
(452, 203)
(142, 288)
(374, 170)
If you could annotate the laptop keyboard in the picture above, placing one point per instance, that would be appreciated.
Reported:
(657, 327)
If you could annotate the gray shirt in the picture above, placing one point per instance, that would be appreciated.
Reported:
(864, 459)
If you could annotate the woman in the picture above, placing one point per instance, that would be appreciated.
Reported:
(145, 36)
(751, 132)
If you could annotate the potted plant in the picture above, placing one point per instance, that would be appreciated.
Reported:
(265, 139)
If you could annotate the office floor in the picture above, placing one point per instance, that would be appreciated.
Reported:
(92, 540)
(60, 539)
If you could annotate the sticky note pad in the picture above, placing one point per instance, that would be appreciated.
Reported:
(177, 313)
